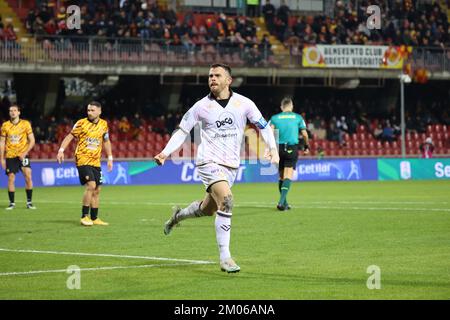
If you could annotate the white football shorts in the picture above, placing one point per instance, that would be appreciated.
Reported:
(212, 172)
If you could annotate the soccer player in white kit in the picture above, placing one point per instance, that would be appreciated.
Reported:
(222, 115)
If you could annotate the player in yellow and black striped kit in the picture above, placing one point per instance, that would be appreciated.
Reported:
(17, 140)
(92, 134)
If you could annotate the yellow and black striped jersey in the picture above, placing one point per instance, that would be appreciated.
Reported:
(90, 141)
(16, 136)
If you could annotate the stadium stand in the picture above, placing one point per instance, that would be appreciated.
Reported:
(157, 34)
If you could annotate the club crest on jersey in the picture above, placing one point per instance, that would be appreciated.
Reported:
(225, 120)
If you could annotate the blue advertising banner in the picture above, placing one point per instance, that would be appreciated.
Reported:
(332, 170)
(184, 172)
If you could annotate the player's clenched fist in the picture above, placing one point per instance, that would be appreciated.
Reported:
(160, 159)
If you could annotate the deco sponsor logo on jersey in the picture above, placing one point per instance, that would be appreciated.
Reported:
(225, 121)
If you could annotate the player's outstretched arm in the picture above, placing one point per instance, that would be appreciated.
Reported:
(174, 143)
(67, 140)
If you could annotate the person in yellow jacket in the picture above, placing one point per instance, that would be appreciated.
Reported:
(92, 134)
(17, 139)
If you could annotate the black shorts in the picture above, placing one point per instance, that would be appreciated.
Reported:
(13, 165)
(288, 155)
(90, 173)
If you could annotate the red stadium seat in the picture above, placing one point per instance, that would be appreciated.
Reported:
(364, 145)
(437, 128)
(408, 136)
(122, 146)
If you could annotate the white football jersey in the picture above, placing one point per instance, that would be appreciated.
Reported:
(221, 129)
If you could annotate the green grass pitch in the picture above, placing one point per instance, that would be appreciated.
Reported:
(320, 249)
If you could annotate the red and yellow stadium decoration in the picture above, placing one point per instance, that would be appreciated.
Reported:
(355, 56)
(421, 75)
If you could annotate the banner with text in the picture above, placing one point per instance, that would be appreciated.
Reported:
(354, 56)
(415, 169)
(51, 174)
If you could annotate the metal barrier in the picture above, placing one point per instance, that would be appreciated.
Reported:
(432, 59)
(102, 50)
(95, 50)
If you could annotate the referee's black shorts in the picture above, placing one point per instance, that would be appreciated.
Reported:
(288, 155)
(13, 165)
(90, 173)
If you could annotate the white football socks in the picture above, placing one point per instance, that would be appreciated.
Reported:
(223, 232)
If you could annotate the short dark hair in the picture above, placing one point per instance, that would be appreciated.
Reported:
(95, 103)
(286, 101)
(15, 105)
(222, 65)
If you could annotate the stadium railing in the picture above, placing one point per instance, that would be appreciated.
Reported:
(431, 58)
(102, 50)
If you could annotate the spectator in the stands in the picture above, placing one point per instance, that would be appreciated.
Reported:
(269, 12)
(136, 126)
(124, 128)
(378, 131)
(388, 132)
(284, 12)
(427, 148)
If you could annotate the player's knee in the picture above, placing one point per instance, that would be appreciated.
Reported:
(227, 203)
(90, 187)
(208, 213)
(11, 177)
(208, 208)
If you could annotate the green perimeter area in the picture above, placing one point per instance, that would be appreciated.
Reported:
(320, 249)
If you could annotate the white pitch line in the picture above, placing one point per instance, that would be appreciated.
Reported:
(376, 208)
(107, 255)
(267, 204)
(247, 202)
(96, 269)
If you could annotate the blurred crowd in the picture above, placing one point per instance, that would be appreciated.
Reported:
(327, 118)
(404, 22)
